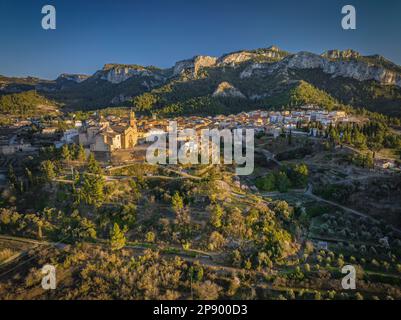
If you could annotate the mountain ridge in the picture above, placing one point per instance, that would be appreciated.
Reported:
(257, 74)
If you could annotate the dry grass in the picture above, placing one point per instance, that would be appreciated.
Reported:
(5, 254)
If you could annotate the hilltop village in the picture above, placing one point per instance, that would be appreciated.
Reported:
(113, 133)
(110, 135)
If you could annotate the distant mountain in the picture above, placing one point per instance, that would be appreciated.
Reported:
(66, 79)
(243, 79)
(15, 85)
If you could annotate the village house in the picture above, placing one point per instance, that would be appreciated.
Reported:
(49, 130)
(70, 136)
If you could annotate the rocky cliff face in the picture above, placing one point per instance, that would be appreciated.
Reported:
(341, 54)
(116, 73)
(354, 68)
(266, 61)
(226, 89)
(120, 99)
(77, 78)
(192, 66)
(235, 58)
(256, 74)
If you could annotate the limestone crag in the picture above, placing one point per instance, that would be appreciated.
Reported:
(356, 69)
(192, 66)
(78, 78)
(116, 73)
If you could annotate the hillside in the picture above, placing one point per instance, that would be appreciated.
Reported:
(262, 78)
(26, 104)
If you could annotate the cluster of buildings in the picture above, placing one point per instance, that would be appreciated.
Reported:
(289, 118)
(110, 134)
(12, 141)
(113, 133)
(274, 122)
(107, 135)
(293, 117)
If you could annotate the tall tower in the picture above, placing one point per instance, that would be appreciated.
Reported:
(130, 134)
(132, 120)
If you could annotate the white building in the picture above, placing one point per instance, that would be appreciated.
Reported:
(69, 136)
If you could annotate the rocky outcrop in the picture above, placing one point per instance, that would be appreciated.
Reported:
(183, 65)
(77, 78)
(120, 99)
(227, 90)
(235, 58)
(363, 71)
(256, 74)
(150, 84)
(192, 66)
(341, 54)
(252, 69)
(266, 61)
(354, 68)
(117, 73)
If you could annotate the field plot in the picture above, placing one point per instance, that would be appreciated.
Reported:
(11, 250)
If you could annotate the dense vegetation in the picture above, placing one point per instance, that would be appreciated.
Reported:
(358, 94)
(374, 135)
(294, 176)
(24, 104)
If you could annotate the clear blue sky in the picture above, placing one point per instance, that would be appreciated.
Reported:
(91, 33)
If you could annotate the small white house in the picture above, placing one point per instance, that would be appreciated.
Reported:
(69, 135)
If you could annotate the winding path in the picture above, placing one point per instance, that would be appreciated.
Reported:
(309, 192)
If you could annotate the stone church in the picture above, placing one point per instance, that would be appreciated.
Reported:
(106, 137)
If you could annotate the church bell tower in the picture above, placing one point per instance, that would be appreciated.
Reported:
(132, 120)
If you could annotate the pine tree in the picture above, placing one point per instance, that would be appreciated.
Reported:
(93, 165)
(65, 153)
(182, 215)
(29, 176)
(215, 216)
(282, 181)
(92, 190)
(12, 178)
(48, 170)
(81, 154)
(117, 238)
(177, 203)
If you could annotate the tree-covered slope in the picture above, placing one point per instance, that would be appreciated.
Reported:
(26, 103)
